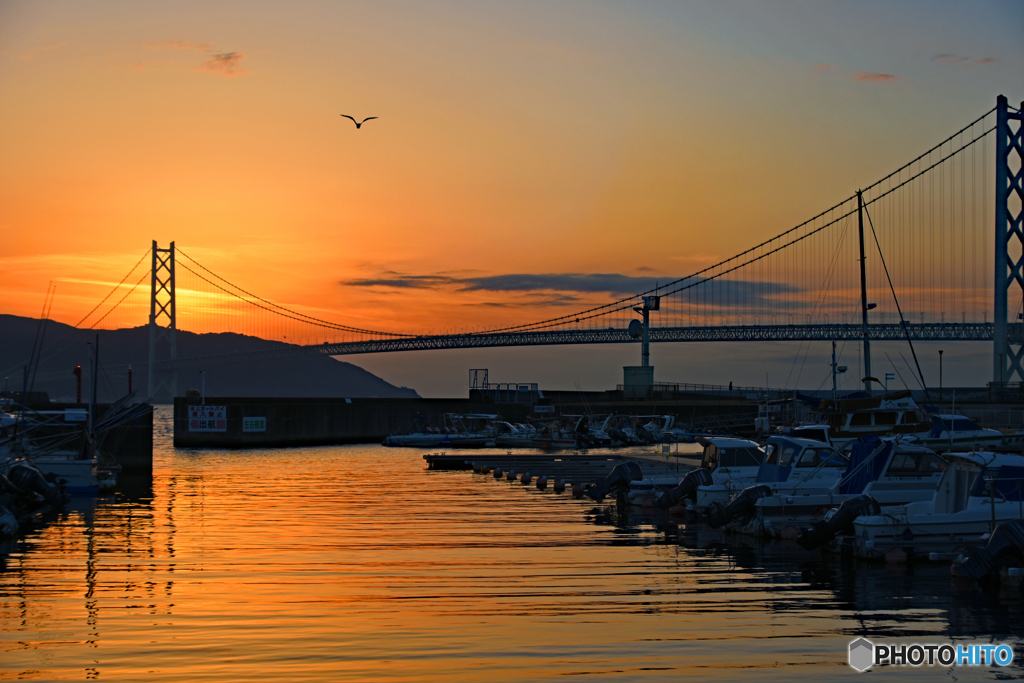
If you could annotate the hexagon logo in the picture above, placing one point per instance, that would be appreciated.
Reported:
(862, 654)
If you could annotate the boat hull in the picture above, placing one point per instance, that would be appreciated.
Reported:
(922, 534)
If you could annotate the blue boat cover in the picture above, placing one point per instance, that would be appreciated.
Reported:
(766, 474)
(862, 450)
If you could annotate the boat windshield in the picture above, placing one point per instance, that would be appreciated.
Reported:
(715, 457)
(915, 462)
(823, 457)
(781, 454)
(1007, 481)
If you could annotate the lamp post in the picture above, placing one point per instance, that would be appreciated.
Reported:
(940, 375)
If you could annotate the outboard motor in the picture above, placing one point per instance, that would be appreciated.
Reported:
(1005, 548)
(25, 477)
(740, 508)
(618, 435)
(687, 488)
(838, 521)
(8, 524)
(617, 479)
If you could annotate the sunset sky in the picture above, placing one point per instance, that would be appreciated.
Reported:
(515, 139)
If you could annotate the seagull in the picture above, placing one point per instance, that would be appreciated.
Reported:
(359, 123)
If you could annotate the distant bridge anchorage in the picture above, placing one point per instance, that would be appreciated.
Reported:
(918, 243)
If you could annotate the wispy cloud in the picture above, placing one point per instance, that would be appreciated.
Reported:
(613, 283)
(874, 77)
(224, 63)
(949, 59)
(645, 269)
(954, 60)
(179, 45)
(533, 302)
(823, 67)
(557, 289)
(404, 281)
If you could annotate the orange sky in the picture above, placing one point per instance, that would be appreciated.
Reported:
(515, 138)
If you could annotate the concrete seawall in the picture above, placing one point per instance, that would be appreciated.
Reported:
(313, 421)
(245, 422)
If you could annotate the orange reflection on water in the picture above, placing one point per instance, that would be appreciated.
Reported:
(355, 563)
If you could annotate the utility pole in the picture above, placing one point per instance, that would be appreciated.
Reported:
(864, 295)
(940, 375)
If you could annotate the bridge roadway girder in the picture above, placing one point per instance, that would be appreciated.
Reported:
(739, 333)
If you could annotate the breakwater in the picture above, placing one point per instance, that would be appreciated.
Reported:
(253, 422)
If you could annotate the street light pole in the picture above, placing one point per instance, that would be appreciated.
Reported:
(940, 375)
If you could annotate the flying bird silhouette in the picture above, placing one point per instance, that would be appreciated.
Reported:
(359, 123)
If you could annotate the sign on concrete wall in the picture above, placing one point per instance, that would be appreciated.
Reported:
(254, 424)
(207, 419)
(544, 409)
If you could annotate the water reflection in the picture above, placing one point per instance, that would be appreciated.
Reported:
(910, 602)
(356, 563)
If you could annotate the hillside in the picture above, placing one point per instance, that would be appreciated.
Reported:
(64, 347)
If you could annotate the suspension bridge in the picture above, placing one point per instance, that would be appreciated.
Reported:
(930, 251)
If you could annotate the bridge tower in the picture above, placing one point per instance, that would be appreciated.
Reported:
(163, 324)
(1009, 263)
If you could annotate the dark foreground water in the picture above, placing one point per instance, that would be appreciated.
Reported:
(356, 563)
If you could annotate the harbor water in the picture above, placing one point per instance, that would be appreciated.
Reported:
(357, 563)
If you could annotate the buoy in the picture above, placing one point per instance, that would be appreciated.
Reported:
(542, 482)
(476, 468)
(791, 532)
(526, 478)
(647, 502)
(577, 490)
(511, 476)
(559, 486)
(497, 473)
(485, 470)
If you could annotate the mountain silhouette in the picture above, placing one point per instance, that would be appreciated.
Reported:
(64, 347)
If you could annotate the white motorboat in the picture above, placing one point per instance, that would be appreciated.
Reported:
(817, 432)
(892, 472)
(459, 431)
(977, 492)
(508, 435)
(958, 433)
(891, 414)
(647, 491)
(664, 430)
(733, 464)
(77, 475)
(792, 467)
